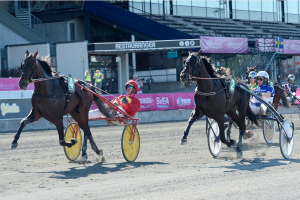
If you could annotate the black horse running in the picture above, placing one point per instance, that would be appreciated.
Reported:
(210, 98)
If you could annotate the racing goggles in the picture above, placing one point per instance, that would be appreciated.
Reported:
(129, 86)
(253, 77)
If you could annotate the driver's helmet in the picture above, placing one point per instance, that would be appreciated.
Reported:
(291, 77)
(252, 74)
(263, 74)
(134, 84)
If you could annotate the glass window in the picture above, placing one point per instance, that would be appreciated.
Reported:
(292, 7)
(255, 5)
(241, 5)
(199, 3)
(267, 6)
(184, 3)
(213, 3)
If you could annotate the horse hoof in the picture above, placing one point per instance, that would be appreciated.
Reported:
(233, 142)
(14, 146)
(99, 152)
(183, 141)
(84, 158)
(73, 141)
(239, 154)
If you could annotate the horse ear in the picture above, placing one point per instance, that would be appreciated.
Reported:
(208, 59)
(26, 54)
(254, 67)
(199, 52)
(36, 53)
(190, 51)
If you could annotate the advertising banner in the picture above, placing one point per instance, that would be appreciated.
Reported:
(12, 84)
(291, 46)
(224, 45)
(14, 108)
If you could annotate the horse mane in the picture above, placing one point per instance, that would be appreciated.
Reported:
(216, 73)
(45, 64)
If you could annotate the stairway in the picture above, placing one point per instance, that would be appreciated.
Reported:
(39, 6)
(263, 55)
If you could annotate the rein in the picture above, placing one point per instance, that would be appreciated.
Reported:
(204, 78)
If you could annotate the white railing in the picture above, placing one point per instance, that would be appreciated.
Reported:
(15, 94)
(160, 75)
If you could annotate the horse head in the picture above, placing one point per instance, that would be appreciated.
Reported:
(249, 70)
(191, 68)
(28, 68)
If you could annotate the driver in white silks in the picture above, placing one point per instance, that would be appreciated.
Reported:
(266, 92)
(290, 87)
(263, 90)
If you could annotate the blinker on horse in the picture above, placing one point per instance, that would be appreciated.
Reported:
(210, 98)
(52, 101)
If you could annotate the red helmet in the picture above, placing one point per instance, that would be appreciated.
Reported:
(134, 84)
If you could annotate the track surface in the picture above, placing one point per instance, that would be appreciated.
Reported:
(38, 168)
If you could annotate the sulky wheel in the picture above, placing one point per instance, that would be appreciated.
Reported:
(214, 145)
(286, 139)
(269, 130)
(73, 152)
(130, 149)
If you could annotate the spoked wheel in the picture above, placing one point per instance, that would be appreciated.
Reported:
(269, 130)
(73, 152)
(130, 149)
(214, 145)
(286, 139)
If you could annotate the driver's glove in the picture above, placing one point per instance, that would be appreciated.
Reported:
(124, 100)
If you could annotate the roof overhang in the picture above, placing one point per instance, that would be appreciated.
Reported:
(143, 46)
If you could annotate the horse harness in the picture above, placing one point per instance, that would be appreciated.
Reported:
(226, 88)
(59, 79)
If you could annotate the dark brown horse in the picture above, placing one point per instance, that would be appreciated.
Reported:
(210, 98)
(279, 93)
(49, 101)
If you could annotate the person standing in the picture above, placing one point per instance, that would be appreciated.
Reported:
(139, 82)
(98, 80)
(87, 77)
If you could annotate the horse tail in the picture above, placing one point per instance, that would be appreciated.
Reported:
(101, 105)
(251, 116)
(284, 100)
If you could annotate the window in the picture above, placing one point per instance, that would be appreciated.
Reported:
(255, 5)
(72, 31)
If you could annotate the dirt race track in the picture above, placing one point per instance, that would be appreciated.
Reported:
(38, 168)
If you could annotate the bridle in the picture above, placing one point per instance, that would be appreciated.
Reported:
(34, 67)
(192, 77)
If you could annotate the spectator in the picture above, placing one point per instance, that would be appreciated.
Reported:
(139, 82)
(98, 80)
(87, 77)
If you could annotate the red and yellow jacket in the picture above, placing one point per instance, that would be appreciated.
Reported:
(133, 105)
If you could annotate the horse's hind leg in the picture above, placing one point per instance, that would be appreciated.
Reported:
(83, 124)
(195, 114)
(32, 117)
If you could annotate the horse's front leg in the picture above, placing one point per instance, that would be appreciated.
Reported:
(195, 115)
(60, 129)
(32, 117)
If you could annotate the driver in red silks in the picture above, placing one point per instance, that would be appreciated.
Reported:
(128, 103)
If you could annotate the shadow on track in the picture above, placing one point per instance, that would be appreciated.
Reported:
(258, 164)
(98, 168)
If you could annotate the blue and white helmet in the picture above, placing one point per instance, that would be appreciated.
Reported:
(252, 74)
(263, 74)
(291, 77)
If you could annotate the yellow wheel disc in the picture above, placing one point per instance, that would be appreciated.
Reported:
(73, 152)
(130, 150)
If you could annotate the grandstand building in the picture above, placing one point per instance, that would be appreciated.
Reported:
(152, 37)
